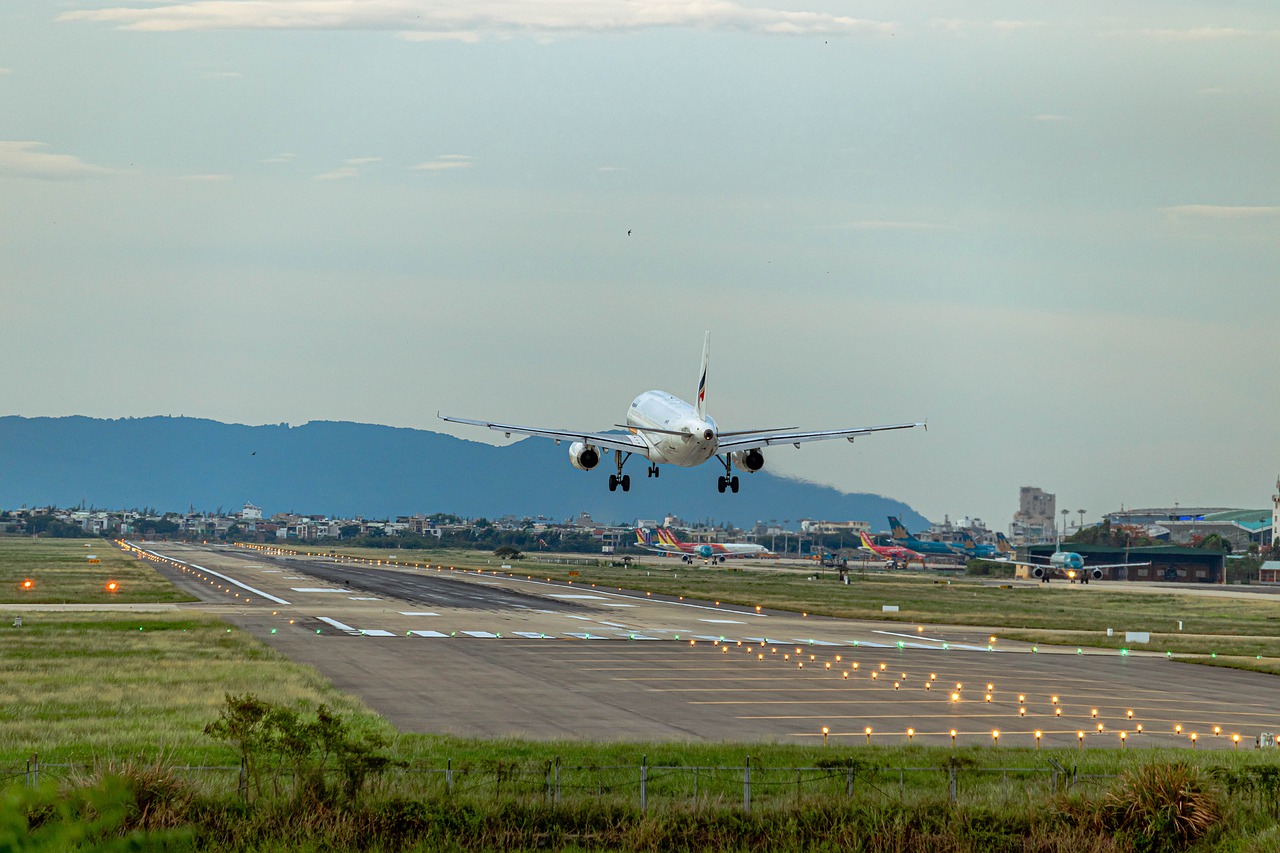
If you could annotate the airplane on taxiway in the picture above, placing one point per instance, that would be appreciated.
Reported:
(1066, 564)
(669, 431)
(893, 553)
(664, 541)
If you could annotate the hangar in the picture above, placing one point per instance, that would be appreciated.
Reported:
(1168, 562)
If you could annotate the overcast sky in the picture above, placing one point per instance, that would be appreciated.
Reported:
(1051, 230)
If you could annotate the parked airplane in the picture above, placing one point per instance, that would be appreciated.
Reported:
(972, 549)
(924, 546)
(1068, 565)
(667, 430)
(893, 553)
(1003, 545)
(663, 541)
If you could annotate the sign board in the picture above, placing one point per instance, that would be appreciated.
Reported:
(1137, 636)
(889, 608)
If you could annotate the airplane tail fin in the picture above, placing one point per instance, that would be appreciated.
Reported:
(896, 530)
(643, 536)
(1002, 544)
(866, 541)
(668, 537)
(966, 539)
(700, 402)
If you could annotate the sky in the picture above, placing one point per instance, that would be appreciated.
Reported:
(1050, 230)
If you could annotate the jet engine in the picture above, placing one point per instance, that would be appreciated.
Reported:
(1039, 572)
(583, 456)
(1095, 574)
(749, 460)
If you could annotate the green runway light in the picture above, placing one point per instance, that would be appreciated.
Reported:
(1124, 653)
(273, 630)
(989, 648)
(945, 647)
(901, 645)
(1079, 651)
(1035, 650)
(317, 630)
(1213, 654)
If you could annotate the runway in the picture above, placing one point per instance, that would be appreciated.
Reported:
(504, 655)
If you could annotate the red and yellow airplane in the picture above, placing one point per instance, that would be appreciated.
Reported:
(895, 553)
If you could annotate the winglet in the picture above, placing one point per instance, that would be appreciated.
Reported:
(700, 403)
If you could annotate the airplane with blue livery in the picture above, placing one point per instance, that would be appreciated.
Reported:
(898, 532)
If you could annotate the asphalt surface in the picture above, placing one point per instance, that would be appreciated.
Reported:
(494, 655)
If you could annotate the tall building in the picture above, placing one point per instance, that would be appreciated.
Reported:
(1035, 519)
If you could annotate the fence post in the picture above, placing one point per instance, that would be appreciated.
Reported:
(35, 769)
(448, 775)
(746, 787)
(848, 781)
(695, 786)
(557, 791)
(242, 786)
(952, 787)
(644, 783)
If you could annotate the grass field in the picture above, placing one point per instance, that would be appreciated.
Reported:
(60, 573)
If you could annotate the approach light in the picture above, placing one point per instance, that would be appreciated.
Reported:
(868, 730)
(911, 733)
(1039, 734)
(112, 586)
(28, 583)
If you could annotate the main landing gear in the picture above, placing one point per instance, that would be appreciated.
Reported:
(653, 471)
(729, 480)
(620, 479)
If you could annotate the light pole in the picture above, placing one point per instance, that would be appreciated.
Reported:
(1065, 513)
(1081, 518)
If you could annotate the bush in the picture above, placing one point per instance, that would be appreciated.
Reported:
(1161, 807)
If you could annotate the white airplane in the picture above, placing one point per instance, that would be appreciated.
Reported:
(667, 430)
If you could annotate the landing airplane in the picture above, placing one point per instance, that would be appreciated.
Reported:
(893, 553)
(924, 546)
(667, 430)
(663, 541)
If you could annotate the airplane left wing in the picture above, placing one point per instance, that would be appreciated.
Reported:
(627, 443)
(742, 441)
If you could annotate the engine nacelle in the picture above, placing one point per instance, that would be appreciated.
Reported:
(1095, 574)
(1038, 572)
(749, 460)
(583, 456)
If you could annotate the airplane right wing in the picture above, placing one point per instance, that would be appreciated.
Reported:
(730, 442)
(631, 443)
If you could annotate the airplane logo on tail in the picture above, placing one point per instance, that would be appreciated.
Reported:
(1002, 544)
(897, 530)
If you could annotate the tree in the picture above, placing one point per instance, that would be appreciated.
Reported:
(507, 552)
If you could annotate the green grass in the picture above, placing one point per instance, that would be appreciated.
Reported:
(60, 573)
(79, 687)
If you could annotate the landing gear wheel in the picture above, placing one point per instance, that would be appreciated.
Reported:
(626, 482)
(613, 482)
(733, 484)
(720, 484)
(653, 471)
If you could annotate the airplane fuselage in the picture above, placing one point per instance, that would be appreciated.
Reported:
(655, 415)
(1066, 560)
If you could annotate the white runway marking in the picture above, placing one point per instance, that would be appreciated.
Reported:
(723, 621)
(318, 589)
(570, 595)
(616, 605)
(243, 586)
(339, 625)
(615, 625)
(377, 632)
(583, 636)
(582, 618)
(530, 635)
(428, 634)
(417, 613)
(364, 598)
(483, 635)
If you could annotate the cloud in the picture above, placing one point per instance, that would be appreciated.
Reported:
(27, 160)
(1222, 211)
(469, 20)
(893, 225)
(1198, 34)
(962, 27)
(351, 168)
(445, 161)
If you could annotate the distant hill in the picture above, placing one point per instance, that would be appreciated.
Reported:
(349, 469)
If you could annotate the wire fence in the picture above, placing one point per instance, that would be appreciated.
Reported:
(747, 787)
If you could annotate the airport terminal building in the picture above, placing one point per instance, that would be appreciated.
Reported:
(1171, 563)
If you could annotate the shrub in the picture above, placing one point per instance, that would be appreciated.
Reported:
(1161, 807)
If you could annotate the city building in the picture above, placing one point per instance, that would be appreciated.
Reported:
(1035, 520)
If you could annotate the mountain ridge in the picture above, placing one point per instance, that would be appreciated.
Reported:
(348, 469)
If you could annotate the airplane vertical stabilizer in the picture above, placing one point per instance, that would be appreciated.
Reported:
(700, 402)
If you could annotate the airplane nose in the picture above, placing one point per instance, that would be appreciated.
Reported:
(708, 434)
